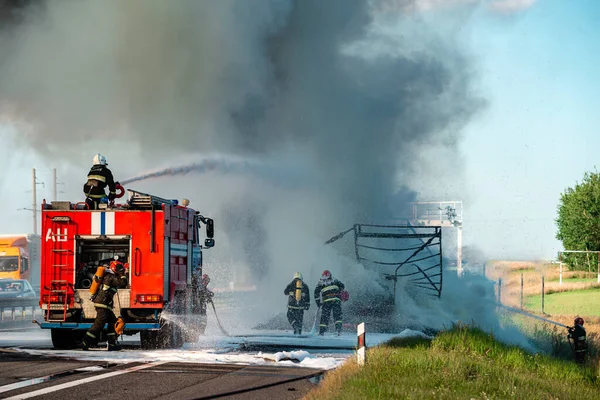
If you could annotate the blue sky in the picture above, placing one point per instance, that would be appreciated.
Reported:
(540, 73)
(538, 67)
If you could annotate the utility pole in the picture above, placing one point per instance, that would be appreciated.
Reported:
(34, 205)
(54, 184)
(34, 208)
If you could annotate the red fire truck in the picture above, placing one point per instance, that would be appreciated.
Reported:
(160, 241)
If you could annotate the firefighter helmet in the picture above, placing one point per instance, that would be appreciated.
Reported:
(298, 275)
(579, 321)
(205, 279)
(117, 267)
(99, 159)
(326, 274)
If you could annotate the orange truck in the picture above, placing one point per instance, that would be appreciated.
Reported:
(160, 241)
(20, 258)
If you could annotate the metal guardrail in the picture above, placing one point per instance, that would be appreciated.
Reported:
(19, 310)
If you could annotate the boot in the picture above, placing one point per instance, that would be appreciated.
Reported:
(84, 346)
(113, 347)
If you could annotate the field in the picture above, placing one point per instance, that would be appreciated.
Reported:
(464, 362)
(582, 302)
(579, 294)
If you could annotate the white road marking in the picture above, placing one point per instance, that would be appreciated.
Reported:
(84, 380)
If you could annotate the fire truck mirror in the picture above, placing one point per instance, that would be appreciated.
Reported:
(209, 242)
(210, 228)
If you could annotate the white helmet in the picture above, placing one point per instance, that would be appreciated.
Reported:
(298, 275)
(99, 159)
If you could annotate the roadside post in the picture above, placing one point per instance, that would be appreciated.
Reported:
(360, 353)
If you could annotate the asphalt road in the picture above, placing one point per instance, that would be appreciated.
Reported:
(33, 376)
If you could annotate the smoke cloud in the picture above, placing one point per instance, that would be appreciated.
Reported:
(342, 102)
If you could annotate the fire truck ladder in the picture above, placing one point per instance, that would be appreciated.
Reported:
(59, 288)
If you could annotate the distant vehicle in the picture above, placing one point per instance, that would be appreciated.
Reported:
(16, 289)
(20, 257)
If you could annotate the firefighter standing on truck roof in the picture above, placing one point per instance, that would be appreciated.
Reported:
(99, 178)
(328, 292)
(578, 335)
(298, 301)
(113, 279)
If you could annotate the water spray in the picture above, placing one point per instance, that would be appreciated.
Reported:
(516, 310)
(225, 164)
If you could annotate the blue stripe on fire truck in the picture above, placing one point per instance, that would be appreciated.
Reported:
(103, 223)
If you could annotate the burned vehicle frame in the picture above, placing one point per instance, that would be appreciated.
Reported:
(400, 252)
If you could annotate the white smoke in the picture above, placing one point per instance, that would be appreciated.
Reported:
(339, 109)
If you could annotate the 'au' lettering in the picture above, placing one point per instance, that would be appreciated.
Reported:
(59, 236)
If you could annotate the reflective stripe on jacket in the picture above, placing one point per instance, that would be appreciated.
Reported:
(328, 290)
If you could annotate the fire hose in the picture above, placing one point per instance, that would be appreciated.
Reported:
(516, 310)
(314, 328)
(217, 317)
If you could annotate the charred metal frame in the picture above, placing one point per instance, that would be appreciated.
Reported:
(429, 277)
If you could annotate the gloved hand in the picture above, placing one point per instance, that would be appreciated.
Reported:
(112, 196)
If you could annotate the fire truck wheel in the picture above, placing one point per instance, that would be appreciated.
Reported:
(149, 340)
(65, 339)
(170, 336)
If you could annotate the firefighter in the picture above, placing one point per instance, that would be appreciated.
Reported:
(328, 293)
(205, 293)
(114, 278)
(205, 296)
(298, 301)
(98, 179)
(578, 336)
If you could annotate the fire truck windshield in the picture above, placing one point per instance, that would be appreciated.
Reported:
(9, 263)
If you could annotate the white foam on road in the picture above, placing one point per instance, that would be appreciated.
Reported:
(298, 351)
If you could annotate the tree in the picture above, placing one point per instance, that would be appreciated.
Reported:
(579, 219)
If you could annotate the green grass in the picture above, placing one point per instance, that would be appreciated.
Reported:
(575, 280)
(462, 363)
(581, 302)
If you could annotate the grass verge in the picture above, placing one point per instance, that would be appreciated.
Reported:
(461, 363)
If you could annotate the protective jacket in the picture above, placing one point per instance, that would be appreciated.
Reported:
(328, 290)
(578, 335)
(108, 288)
(290, 290)
(99, 178)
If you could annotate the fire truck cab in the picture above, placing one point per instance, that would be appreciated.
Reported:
(158, 240)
